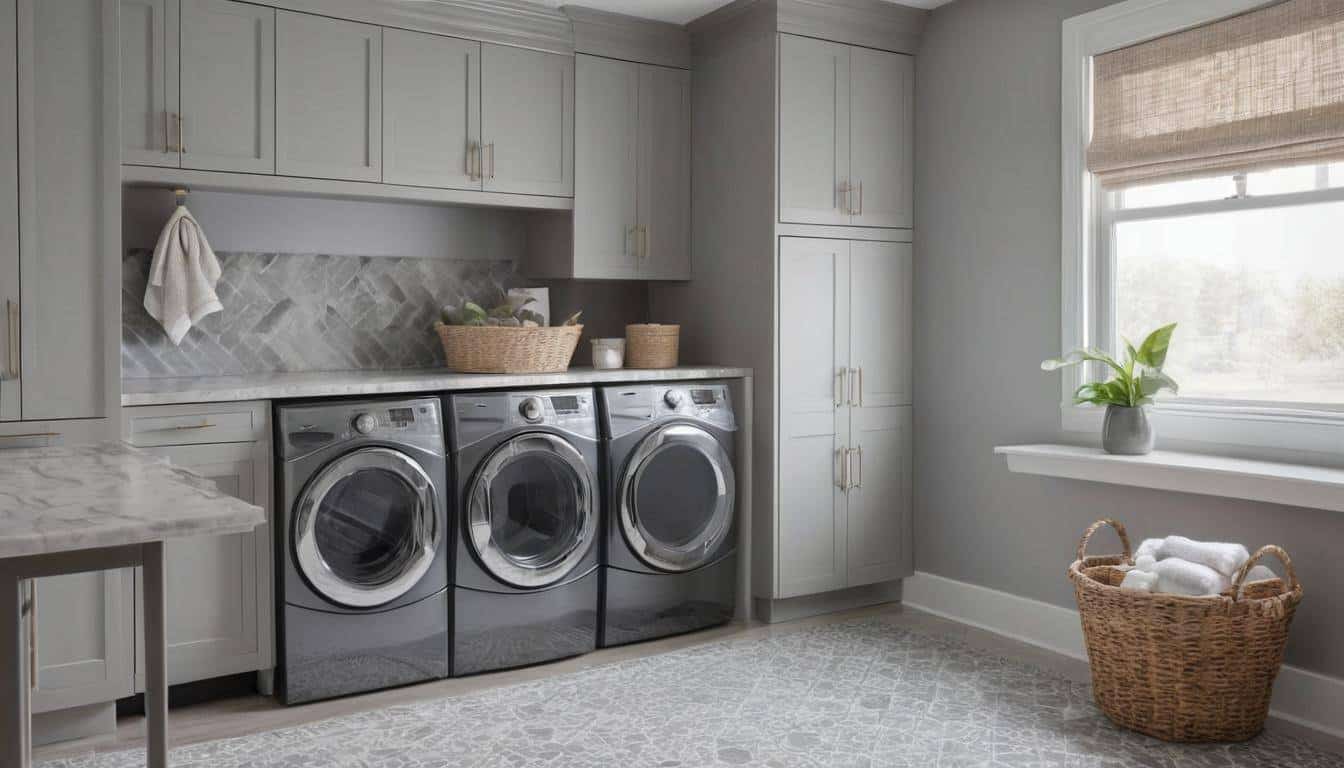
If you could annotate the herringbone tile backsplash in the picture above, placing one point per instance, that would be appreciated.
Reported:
(306, 312)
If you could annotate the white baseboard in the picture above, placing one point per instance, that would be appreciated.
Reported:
(1302, 697)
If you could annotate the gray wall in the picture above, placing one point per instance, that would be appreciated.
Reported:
(987, 288)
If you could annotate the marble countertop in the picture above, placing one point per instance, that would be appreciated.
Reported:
(279, 386)
(107, 495)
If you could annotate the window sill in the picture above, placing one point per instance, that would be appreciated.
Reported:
(1296, 485)
(1275, 434)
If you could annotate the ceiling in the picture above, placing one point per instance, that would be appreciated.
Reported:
(681, 11)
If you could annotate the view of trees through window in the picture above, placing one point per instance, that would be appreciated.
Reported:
(1258, 294)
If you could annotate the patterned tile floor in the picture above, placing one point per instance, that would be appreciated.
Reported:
(859, 693)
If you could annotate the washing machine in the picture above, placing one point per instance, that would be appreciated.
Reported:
(526, 575)
(361, 546)
(670, 539)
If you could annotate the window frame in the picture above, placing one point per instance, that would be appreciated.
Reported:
(1249, 428)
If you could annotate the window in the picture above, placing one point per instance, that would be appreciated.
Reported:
(1203, 184)
(1251, 266)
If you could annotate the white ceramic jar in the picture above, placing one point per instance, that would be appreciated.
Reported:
(608, 354)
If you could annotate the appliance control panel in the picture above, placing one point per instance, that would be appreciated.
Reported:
(307, 428)
(628, 406)
(476, 416)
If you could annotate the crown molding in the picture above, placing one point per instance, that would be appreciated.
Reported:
(618, 36)
(868, 23)
(507, 22)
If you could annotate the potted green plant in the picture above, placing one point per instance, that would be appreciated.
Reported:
(1126, 429)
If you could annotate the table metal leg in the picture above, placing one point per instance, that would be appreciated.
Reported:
(16, 747)
(156, 663)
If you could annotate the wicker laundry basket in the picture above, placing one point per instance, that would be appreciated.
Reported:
(1183, 668)
(652, 345)
(499, 349)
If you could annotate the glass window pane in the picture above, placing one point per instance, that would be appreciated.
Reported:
(1177, 192)
(365, 527)
(1281, 181)
(1259, 296)
(677, 495)
(534, 516)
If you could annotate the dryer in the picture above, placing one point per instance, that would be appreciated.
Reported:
(362, 546)
(670, 540)
(526, 535)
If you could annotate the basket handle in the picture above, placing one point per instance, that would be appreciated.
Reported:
(1093, 528)
(1268, 549)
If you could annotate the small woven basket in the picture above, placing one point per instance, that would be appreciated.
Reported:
(498, 349)
(1183, 668)
(650, 345)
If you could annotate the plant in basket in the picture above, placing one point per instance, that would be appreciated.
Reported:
(510, 337)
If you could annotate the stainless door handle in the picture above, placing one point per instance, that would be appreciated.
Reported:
(860, 211)
(643, 242)
(860, 379)
(491, 147)
(843, 456)
(844, 190)
(472, 152)
(840, 390)
(182, 138)
(32, 634)
(167, 132)
(859, 482)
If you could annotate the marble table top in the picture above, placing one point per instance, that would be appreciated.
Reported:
(278, 386)
(106, 495)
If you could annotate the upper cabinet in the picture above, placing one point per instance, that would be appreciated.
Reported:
(198, 85)
(632, 201)
(431, 110)
(328, 95)
(9, 217)
(846, 134)
(527, 121)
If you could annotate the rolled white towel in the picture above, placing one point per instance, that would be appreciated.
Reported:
(1141, 581)
(1182, 577)
(1145, 563)
(1149, 547)
(1222, 557)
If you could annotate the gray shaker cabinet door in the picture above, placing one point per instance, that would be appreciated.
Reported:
(527, 121)
(879, 522)
(606, 133)
(665, 172)
(9, 218)
(882, 129)
(814, 112)
(227, 86)
(63, 243)
(83, 639)
(431, 110)
(149, 90)
(328, 95)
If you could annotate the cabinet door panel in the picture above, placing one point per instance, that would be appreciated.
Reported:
(148, 82)
(879, 506)
(882, 134)
(813, 326)
(83, 642)
(527, 121)
(219, 589)
(665, 172)
(881, 323)
(63, 254)
(814, 146)
(431, 110)
(606, 127)
(9, 216)
(328, 95)
(228, 86)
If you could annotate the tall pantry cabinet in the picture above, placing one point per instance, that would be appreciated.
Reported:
(803, 260)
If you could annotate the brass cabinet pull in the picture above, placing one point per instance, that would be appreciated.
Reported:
(194, 426)
(473, 161)
(643, 242)
(169, 146)
(860, 386)
(860, 211)
(182, 138)
(843, 456)
(491, 147)
(858, 483)
(844, 191)
(12, 311)
(840, 390)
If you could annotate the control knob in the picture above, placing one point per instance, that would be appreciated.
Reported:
(530, 409)
(365, 423)
(674, 398)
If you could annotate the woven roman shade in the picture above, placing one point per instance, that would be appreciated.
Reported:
(1265, 88)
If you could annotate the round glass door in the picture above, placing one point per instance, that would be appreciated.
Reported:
(366, 529)
(532, 512)
(677, 498)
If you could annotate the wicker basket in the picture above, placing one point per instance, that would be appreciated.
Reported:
(498, 349)
(650, 345)
(1183, 668)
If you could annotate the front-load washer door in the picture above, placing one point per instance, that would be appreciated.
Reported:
(676, 498)
(532, 514)
(366, 528)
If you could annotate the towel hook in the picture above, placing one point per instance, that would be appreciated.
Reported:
(180, 195)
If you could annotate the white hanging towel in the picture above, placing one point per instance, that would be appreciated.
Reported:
(182, 276)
